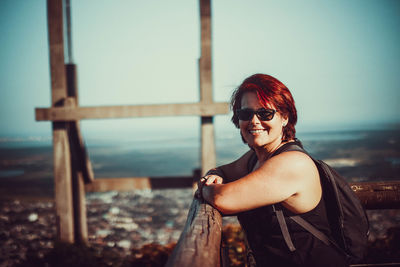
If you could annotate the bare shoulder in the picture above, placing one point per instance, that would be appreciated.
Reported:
(297, 171)
(293, 166)
(293, 160)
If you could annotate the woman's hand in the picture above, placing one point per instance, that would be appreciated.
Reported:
(210, 178)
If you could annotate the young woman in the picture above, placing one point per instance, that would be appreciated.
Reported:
(258, 182)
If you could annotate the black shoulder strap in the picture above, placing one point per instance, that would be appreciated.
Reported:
(297, 146)
(284, 228)
(311, 228)
(252, 162)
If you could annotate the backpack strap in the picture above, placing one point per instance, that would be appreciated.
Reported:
(310, 228)
(284, 229)
(296, 146)
(303, 223)
(291, 146)
(252, 162)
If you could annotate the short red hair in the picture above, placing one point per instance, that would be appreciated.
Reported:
(271, 91)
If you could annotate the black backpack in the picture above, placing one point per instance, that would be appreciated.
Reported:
(347, 217)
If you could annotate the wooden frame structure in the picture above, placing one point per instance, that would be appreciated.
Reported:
(72, 168)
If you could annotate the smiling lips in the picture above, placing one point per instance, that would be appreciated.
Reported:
(256, 131)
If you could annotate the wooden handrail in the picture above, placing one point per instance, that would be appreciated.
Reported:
(378, 195)
(373, 195)
(200, 241)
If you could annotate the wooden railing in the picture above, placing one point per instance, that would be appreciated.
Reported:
(378, 195)
(200, 241)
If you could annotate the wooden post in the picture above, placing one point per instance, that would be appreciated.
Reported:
(208, 158)
(79, 161)
(205, 61)
(61, 147)
(80, 221)
(200, 241)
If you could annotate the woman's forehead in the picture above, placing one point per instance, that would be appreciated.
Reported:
(250, 99)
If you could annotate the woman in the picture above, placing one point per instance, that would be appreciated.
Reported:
(258, 182)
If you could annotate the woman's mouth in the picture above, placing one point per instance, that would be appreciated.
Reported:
(256, 131)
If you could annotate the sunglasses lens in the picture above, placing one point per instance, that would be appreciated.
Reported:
(245, 114)
(266, 114)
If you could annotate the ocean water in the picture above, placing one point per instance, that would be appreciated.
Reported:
(357, 155)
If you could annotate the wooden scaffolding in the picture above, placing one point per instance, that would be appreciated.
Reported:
(72, 168)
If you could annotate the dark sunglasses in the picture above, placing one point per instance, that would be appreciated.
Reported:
(263, 114)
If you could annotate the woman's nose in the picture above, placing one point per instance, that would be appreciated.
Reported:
(255, 119)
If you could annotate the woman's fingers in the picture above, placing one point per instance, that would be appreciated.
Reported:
(207, 180)
(219, 180)
(213, 179)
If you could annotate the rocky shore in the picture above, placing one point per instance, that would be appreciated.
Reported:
(118, 222)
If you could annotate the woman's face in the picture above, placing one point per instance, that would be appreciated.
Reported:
(256, 132)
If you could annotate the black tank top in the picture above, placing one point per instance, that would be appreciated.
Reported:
(268, 247)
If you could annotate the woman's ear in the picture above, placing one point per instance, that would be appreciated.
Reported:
(284, 121)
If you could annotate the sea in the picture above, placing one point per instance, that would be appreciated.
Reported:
(359, 155)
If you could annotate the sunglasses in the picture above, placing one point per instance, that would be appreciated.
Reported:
(263, 114)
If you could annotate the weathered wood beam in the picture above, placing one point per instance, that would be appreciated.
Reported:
(84, 164)
(208, 157)
(378, 195)
(77, 143)
(56, 47)
(63, 183)
(199, 243)
(106, 112)
(79, 201)
(61, 147)
(205, 61)
(80, 164)
(130, 183)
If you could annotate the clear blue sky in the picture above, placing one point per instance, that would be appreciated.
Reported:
(340, 59)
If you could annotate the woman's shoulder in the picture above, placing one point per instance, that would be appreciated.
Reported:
(301, 172)
(296, 164)
(294, 159)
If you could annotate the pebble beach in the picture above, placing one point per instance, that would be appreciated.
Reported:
(117, 222)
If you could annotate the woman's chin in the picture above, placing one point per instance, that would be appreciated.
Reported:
(256, 143)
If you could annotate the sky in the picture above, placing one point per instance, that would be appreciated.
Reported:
(340, 59)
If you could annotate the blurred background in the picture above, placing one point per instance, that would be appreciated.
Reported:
(340, 59)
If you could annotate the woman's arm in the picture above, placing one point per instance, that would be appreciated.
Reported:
(290, 177)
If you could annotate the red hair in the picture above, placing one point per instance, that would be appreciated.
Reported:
(271, 91)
